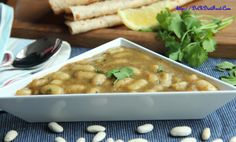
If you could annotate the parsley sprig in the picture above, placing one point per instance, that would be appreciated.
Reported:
(120, 74)
(187, 36)
(231, 69)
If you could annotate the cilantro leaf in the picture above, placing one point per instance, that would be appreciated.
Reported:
(187, 38)
(121, 73)
(209, 44)
(175, 55)
(160, 68)
(190, 20)
(111, 72)
(232, 72)
(195, 55)
(229, 79)
(176, 25)
(225, 66)
(163, 19)
(231, 69)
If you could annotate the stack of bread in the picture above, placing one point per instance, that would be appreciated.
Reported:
(86, 15)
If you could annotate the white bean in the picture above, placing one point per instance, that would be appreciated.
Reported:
(166, 79)
(137, 84)
(99, 137)
(181, 131)
(204, 85)
(233, 139)
(52, 89)
(24, 92)
(138, 140)
(80, 139)
(206, 134)
(60, 139)
(95, 128)
(146, 128)
(191, 78)
(55, 127)
(10, 136)
(217, 140)
(79, 67)
(123, 82)
(60, 75)
(180, 86)
(189, 139)
(99, 79)
(119, 140)
(110, 140)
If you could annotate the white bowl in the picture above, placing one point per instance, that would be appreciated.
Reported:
(115, 106)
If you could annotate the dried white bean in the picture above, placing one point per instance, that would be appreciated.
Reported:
(60, 139)
(80, 139)
(206, 134)
(217, 140)
(110, 140)
(189, 139)
(10, 136)
(119, 140)
(146, 128)
(138, 140)
(95, 128)
(55, 127)
(233, 139)
(181, 131)
(99, 137)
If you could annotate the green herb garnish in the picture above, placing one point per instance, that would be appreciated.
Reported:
(188, 38)
(225, 66)
(231, 69)
(160, 68)
(120, 74)
(229, 79)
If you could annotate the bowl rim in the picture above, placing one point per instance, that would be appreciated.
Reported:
(136, 46)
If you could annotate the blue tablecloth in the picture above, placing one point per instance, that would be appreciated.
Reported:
(222, 122)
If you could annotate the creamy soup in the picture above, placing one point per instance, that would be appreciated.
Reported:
(117, 70)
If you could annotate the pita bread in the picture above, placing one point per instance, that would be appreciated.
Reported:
(104, 8)
(92, 24)
(59, 6)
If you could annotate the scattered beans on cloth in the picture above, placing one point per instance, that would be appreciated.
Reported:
(10, 136)
(217, 140)
(189, 139)
(206, 134)
(60, 139)
(55, 127)
(99, 137)
(95, 128)
(146, 128)
(181, 131)
(80, 139)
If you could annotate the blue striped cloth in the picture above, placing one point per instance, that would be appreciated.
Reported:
(222, 122)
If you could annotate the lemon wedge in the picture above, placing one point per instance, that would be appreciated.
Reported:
(144, 19)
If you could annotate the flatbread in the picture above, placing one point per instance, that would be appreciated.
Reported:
(114, 20)
(59, 6)
(104, 8)
(82, 26)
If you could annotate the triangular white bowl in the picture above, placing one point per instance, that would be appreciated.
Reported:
(115, 106)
